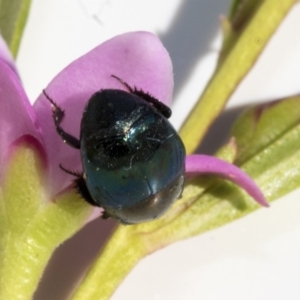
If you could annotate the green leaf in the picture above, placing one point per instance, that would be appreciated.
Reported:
(250, 26)
(13, 16)
(273, 154)
(263, 125)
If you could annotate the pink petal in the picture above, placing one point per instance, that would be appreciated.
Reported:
(138, 58)
(17, 117)
(204, 164)
(6, 56)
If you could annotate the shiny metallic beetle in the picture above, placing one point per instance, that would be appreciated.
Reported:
(133, 159)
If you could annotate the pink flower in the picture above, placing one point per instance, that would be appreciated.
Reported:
(137, 57)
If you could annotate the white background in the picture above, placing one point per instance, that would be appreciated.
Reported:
(256, 257)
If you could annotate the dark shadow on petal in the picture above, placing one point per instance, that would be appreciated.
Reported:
(72, 259)
(190, 35)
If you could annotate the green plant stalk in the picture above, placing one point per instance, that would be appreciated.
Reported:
(19, 27)
(13, 17)
(123, 252)
(247, 46)
(31, 228)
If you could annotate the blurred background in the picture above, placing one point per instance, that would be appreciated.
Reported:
(256, 257)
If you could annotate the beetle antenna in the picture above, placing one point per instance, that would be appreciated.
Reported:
(130, 89)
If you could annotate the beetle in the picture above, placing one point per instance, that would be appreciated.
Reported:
(133, 159)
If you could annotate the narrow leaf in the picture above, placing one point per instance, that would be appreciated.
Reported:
(13, 16)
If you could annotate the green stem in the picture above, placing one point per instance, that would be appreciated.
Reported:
(13, 17)
(118, 258)
(24, 257)
(237, 63)
(19, 27)
(31, 227)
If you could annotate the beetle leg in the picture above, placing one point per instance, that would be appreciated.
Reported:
(58, 115)
(161, 107)
(80, 186)
(85, 194)
(74, 173)
(82, 189)
(105, 215)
